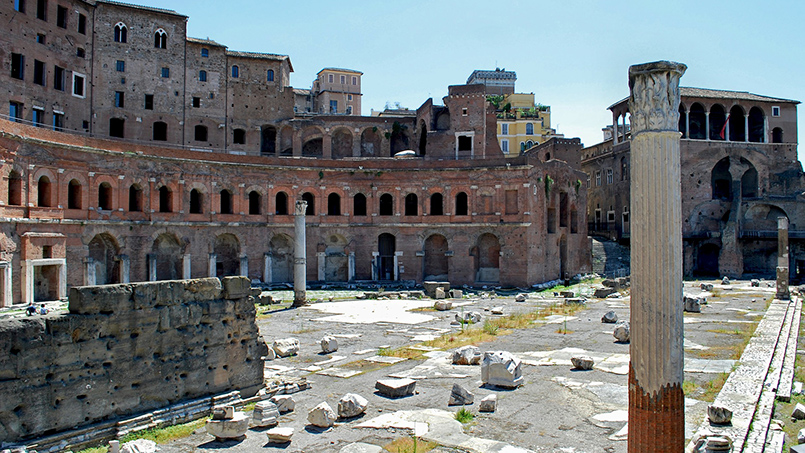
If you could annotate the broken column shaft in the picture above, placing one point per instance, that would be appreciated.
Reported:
(656, 400)
(783, 271)
(299, 261)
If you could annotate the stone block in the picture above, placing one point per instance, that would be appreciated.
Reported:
(501, 369)
(719, 415)
(430, 288)
(223, 412)
(139, 446)
(801, 436)
(799, 412)
(352, 405)
(440, 294)
(467, 355)
(322, 416)
(459, 396)
(725, 281)
(496, 310)
(706, 286)
(470, 317)
(693, 304)
(609, 317)
(361, 447)
(622, 332)
(286, 347)
(279, 435)
(396, 388)
(329, 344)
(265, 414)
(285, 403)
(443, 305)
(567, 294)
(489, 403)
(265, 299)
(582, 362)
(106, 299)
(236, 287)
(602, 293)
(456, 293)
(754, 283)
(234, 428)
(198, 289)
(520, 297)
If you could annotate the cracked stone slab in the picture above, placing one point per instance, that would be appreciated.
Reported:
(385, 359)
(339, 372)
(333, 359)
(365, 351)
(381, 311)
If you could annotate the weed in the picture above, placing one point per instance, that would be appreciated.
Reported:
(464, 416)
(101, 449)
(410, 445)
(713, 387)
(404, 352)
(490, 328)
(166, 434)
(689, 387)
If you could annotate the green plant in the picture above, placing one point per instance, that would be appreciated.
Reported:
(495, 100)
(577, 185)
(548, 183)
(464, 416)
(490, 328)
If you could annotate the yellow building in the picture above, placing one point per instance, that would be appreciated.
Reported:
(521, 122)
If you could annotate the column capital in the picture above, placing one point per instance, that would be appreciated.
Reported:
(654, 98)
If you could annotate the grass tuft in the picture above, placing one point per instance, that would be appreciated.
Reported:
(410, 445)
(464, 416)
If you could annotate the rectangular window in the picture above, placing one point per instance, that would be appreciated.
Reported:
(609, 176)
(17, 66)
(212, 95)
(19, 5)
(463, 112)
(610, 216)
(149, 102)
(588, 180)
(511, 202)
(61, 17)
(349, 97)
(330, 78)
(349, 110)
(120, 99)
(15, 111)
(464, 143)
(82, 24)
(39, 72)
(504, 146)
(504, 129)
(58, 78)
(58, 121)
(343, 80)
(120, 65)
(80, 53)
(40, 38)
(196, 102)
(42, 9)
(775, 111)
(166, 72)
(333, 106)
(38, 117)
(79, 81)
(598, 178)
(354, 80)
(205, 53)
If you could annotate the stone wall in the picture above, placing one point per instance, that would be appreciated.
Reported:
(125, 349)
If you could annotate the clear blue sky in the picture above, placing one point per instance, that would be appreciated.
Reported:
(574, 55)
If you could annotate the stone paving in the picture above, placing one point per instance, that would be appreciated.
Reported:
(557, 409)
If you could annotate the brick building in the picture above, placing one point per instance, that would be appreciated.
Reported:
(739, 174)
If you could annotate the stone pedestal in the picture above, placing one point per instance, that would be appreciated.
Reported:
(299, 261)
(782, 259)
(656, 400)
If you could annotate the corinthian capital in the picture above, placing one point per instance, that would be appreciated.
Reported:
(301, 207)
(654, 97)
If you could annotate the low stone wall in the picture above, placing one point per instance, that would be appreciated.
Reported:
(125, 349)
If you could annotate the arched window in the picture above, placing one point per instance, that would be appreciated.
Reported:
(226, 202)
(529, 144)
(161, 39)
(721, 180)
(235, 71)
(160, 132)
(311, 203)
(239, 137)
(737, 124)
(135, 198)
(461, 204)
(757, 132)
(436, 204)
(386, 204)
(14, 189)
(121, 32)
(683, 121)
(697, 121)
(777, 135)
(359, 205)
(522, 146)
(529, 129)
(201, 133)
(270, 75)
(411, 205)
(105, 196)
(165, 199)
(281, 204)
(202, 76)
(255, 202)
(196, 202)
(43, 192)
(333, 204)
(74, 194)
(718, 123)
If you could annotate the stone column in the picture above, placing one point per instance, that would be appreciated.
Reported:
(267, 275)
(212, 268)
(244, 266)
(152, 267)
(397, 256)
(375, 266)
(782, 259)
(299, 261)
(746, 127)
(89, 278)
(614, 128)
(351, 267)
(186, 269)
(125, 268)
(656, 401)
(707, 125)
(321, 261)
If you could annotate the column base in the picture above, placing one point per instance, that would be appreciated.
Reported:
(656, 423)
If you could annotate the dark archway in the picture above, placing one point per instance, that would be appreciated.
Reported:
(487, 258)
(167, 251)
(333, 204)
(103, 250)
(737, 124)
(268, 140)
(227, 255)
(281, 203)
(117, 127)
(386, 206)
(721, 180)
(386, 247)
(43, 196)
(436, 263)
(707, 260)
(105, 196)
(749, 187)
(757, 127)
(423, 138)
(74, 194)
(462, 204)
(135, 198)
(281, 250)
(718, 119)
(255, 203)
(200, 133)
(359, 205)
(436, 204)
(683, 121)
(160, 132)
(311, 203)
(226, 202)
(14, 188)
(411, 205)
(777, 135)
(165, 199)
(698, 122)
(196, 202)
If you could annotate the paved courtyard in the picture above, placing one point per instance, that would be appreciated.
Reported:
(557, 409)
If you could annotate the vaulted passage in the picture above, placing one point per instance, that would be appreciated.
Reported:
(707, 260)
(436, 265)
(227, 255)
(386, 247)
(281, 251)
(335, 259)
(103, 250)
(167, 252)
(487, 258)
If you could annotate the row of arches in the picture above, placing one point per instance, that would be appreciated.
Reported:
(718, 123)
(341, 142)
(166, 258)
(159, 130)
(121, 34)
(385, 206)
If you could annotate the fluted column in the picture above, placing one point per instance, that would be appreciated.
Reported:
(782, 259)
(299, 260)
(656, 400)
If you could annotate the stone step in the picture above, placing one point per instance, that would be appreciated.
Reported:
(787, 376)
